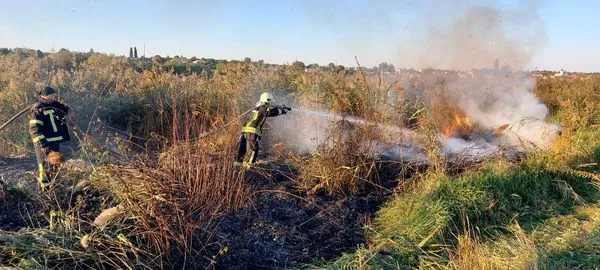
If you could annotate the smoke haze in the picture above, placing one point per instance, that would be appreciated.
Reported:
(477, 37)
(487, 46)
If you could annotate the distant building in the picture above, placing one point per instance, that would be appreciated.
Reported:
(560, 73)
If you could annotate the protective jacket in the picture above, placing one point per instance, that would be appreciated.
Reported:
(259, 116)
(47, 123)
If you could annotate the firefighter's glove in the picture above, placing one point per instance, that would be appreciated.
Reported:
(55, 158)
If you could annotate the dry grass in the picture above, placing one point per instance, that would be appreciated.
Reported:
(173, 203)
(345, 162)
(172, 208)
(515, 250)
(170, 196)
(343, 165)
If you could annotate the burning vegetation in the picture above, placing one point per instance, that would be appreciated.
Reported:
(185, 204)
(457, 124)
(450, 119)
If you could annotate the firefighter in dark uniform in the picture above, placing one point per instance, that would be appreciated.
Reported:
(48, 129)
(252, 130)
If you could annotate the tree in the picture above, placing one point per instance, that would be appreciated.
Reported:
(299, 65)
(385, 67)
(64, 59)
(135, 52)
(247, 60)
(130, 52)
(331, 66)
(80, 57)
(158, 59)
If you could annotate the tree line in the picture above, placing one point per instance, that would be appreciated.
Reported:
(68, 60)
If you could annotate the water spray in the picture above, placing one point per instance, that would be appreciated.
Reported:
(335, 117)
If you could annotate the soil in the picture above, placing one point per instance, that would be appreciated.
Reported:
(16, 168)
(282, 227)
(16, 209)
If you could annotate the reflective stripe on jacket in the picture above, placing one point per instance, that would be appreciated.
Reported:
(258, 118)
(47, 122)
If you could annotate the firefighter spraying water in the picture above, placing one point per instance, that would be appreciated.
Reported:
(252, 130)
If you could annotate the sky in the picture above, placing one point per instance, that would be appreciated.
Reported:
(532, 35)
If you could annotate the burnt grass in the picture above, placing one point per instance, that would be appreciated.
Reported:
(17, 209)
(283, 227)
(280, 227)
(23, 205)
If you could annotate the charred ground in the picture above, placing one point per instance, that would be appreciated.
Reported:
(285, 227)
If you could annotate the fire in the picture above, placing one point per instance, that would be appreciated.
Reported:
(457, 125)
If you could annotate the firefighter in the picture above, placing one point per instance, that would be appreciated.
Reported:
(48, 129)
(252, 130)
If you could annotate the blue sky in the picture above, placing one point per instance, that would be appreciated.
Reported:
(408, 33)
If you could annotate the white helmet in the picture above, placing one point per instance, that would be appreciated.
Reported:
(265, 98)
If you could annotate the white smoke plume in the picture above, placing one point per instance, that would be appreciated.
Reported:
(489, 47)
(508, 98)
(482, 51)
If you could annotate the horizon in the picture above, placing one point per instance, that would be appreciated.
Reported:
(256, 60)
(529, 35)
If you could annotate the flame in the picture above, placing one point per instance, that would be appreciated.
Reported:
(458, 124)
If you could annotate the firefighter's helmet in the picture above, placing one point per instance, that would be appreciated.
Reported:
(265, 98)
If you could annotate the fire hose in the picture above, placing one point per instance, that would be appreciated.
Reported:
(15, 117)
(205, 134)
(143, 138)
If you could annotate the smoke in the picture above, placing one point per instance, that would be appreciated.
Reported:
(465, 149)
(468, 37)
(482, 50)
(500, 99)
(488, 46)
(303, 131)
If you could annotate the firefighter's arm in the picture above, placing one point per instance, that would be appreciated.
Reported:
(35, 128)
(62, 109)
(279, 110)
(65, 108)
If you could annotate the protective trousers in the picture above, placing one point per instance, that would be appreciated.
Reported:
(46, 171)
(248, 144)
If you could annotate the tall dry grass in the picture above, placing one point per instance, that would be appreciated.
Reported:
(173, 199)
(172, 208)
(171, 196)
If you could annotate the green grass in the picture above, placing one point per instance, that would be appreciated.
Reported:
(571, 241)
(428, 226)
(540, 212)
